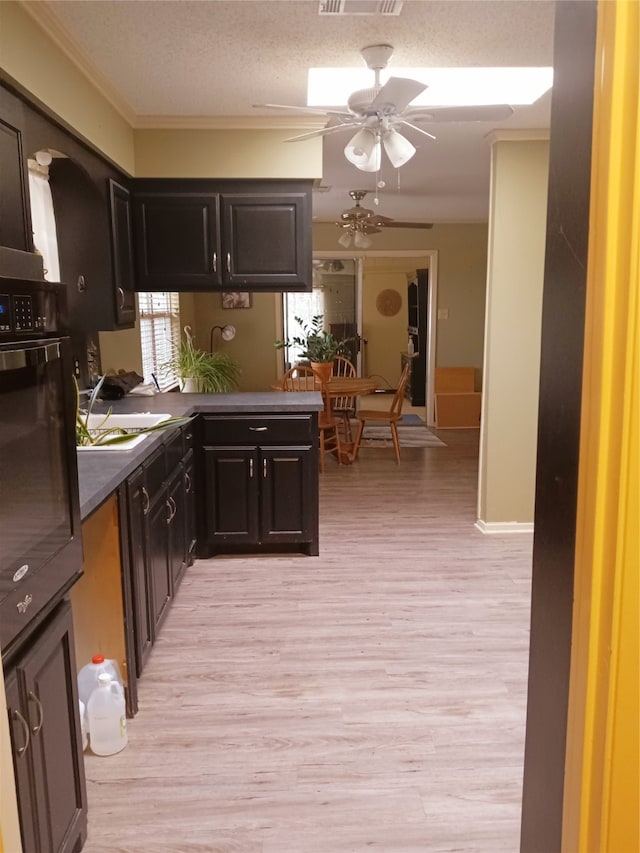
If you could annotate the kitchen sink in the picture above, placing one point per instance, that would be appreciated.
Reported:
(129, 423)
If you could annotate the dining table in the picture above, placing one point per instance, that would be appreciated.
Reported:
(346, 386)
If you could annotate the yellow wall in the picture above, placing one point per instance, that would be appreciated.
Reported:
(602, 791)
(462, 274)
(519, 174)
(34, 61)
(386, 336)
(225, 154)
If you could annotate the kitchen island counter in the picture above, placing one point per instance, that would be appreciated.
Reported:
(101, 472)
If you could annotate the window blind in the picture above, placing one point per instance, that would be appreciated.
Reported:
(159, 315)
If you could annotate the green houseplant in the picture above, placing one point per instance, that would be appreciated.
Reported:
(102, 434)
(318, 345)
(210, 372)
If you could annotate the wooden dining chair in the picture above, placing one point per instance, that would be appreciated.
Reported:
(391, 416)
(300, 378)
(344, 407)
(329, 427)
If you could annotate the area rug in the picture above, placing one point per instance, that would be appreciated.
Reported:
(411, 420)
(409, 436)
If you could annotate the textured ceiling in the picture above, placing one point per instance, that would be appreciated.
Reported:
(215, 58)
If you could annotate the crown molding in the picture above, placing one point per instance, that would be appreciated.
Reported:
(522, 135)
(50, 25)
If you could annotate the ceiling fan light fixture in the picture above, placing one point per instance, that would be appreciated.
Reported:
(398, 148)
(361, 241)
(345, 239)
(361, 147)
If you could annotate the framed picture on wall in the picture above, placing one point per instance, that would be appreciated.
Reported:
(236, 300)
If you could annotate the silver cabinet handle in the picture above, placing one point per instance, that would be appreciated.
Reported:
(145, 501)
(187, 482)
(170, 516)
(264, 467)
(174, 507)
(214, 262)
(228, 261)
(251, 469)
(33, 698)
(258, 429)
(121, 294)
(25, 728)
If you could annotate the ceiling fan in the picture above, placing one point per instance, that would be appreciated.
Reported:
(358, 222)
(376, 114)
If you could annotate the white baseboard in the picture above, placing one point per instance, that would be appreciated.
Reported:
(504, 526)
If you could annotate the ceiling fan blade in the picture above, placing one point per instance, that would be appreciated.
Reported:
(490, 112)
(395, 223)
(346, 117)
(376, 219)
(397, 92)
(323, 131)
(415, 127)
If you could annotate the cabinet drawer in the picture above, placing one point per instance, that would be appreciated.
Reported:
(269, 429)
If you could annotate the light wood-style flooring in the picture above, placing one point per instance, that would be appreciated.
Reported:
(372, 698)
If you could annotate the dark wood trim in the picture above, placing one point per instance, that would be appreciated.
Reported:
(559, 425)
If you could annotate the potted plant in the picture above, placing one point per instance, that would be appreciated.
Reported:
(318, 346)
(200, 371)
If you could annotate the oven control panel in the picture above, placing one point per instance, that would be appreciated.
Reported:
(27, 309)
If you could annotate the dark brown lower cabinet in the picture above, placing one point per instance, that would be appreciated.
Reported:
(42, 703)
(260, 494)
(159, 541)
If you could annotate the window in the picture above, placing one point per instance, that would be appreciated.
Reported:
(43, 220)
(159, 336)
(333, 295)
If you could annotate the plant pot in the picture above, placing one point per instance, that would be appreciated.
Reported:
(323, 369)
(189, 386)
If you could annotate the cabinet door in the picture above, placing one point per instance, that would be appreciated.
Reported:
(189, 508)
(138, 504)
(22, 763)
(286, 490)
(15, 217)
(177, 530)
(265, 241)
(122, 250)
(158, 558)
(177, 241)
(54, 800)
(231, 500)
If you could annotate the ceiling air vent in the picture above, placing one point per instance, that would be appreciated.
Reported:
(360, 7)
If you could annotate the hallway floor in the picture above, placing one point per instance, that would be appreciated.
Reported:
(372, 698)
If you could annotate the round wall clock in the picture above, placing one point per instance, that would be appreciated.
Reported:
(388, 302)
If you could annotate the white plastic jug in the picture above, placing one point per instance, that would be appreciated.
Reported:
(88, 675)
(107, 717)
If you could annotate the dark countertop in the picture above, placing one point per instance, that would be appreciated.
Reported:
(100, 472)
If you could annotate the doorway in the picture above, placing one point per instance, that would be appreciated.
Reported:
(335, 295)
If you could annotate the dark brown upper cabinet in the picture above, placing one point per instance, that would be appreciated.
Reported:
(177, 240)
(15, 215)
(122, 254)
(195, 235)
(94, 237)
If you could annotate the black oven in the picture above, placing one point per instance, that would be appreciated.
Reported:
(40, 535)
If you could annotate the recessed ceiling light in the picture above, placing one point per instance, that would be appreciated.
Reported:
(447, 87)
